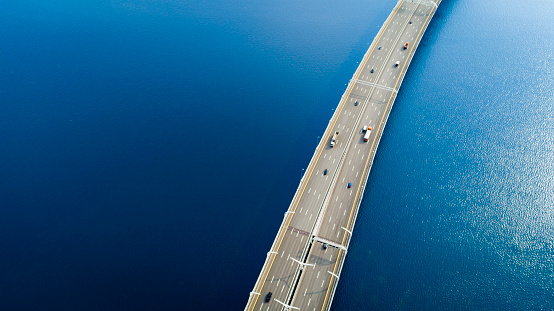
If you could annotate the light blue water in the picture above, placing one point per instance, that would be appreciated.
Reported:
(149, 152)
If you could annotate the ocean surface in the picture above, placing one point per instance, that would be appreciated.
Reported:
(148, 151)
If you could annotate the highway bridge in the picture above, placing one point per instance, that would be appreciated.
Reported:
(303, 266)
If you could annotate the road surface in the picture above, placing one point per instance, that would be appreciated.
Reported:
(303, 266)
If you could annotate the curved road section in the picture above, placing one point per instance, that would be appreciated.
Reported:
(303, 266)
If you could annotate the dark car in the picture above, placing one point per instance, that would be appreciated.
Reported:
(356, 103)
(324, 245)
(325, 172)
(268, 297)
(349, 184)
(371, 70)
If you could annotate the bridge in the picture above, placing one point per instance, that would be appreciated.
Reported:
(304, 264)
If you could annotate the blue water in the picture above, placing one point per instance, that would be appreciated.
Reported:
(149, 151)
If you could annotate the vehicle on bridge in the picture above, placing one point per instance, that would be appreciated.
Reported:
(334, 139)
(367, 133)
(406, 45)
(397, 63)
(349, 184)
(268, 297)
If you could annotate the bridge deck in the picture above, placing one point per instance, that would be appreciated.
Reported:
(299, 271)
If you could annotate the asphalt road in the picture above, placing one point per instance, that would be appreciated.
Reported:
(299, 271)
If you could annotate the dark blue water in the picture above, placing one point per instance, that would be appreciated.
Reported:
(149, 151)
